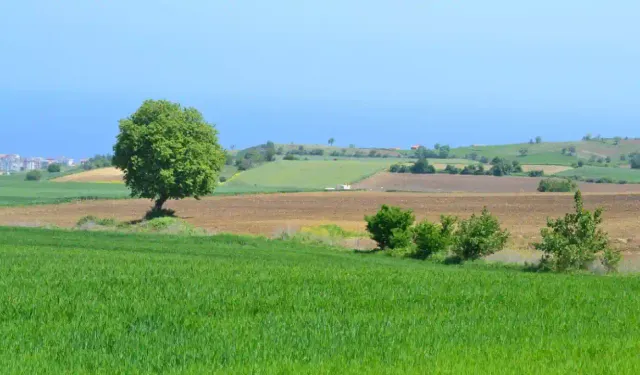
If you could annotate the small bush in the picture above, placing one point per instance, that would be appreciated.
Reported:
(53, 168)
(452, 169)
(573, 242)
(223, 179)
(33, 176)
(399, 168)
(535, 173)
(381, 226)
(604, 180)
(479, 236)
(431, 238)
(556, 185)
(290, 157)
(422, 167)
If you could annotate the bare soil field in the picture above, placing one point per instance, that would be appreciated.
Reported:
(445, 183)
(270, 214)
(96, 175)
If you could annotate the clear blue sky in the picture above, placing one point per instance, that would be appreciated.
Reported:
(369, 72)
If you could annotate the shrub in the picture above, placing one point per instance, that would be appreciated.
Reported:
(535, 173)
(580, 163)
(399, 168)
(556, 185)
(381, 225)
(401, 238)
(573, 242)
(451, 169)
(290, 157)
(635, 161)
(484, 160)
(53, 168)
(223, 179)
(33, 176)
(479, 236)
(431, 238)
(524, 151)
(604, 180)
(422, 167)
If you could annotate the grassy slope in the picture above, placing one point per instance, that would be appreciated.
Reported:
(617, 174)
(550, 152)
(312, 174)
(80, 302)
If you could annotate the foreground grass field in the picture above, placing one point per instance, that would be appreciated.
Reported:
(79, 302)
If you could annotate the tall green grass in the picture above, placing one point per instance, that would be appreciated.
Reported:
(85, 302)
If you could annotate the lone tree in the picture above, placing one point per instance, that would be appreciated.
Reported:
(168, 152)
(331, 141)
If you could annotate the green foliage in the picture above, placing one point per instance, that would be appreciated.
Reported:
(538, 139)
(524, 151)
(421, 166)
(168, 152)
(595, 173)
(559, 185)
(331, 141)
(479, 236)
(98, 161)
(573, 242)
(634, 161)
(290, 157)
(399, 168)
(382, 225)
(451, 169)
(431, 238)
(535, 173)
(502, 167)
(401, 238)
(473, 169)
(34, 175)
(54, 168)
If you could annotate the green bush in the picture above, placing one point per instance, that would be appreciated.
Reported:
(223, 179)
(535, 173)
(290, 157)
(479, 236)
(573, 242)
(381, 226)
(431, 238)
(451, 169)
(33, 176)
(422, 167)
(399, 168)
(556, 185)
(53, 168)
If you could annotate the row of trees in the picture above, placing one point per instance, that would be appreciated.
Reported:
(568, 244)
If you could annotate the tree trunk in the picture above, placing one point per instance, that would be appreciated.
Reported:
(159, 203)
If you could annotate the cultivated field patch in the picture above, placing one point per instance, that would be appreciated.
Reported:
(444, 183)
(271, 214)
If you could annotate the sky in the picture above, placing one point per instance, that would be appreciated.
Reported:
(366, 72)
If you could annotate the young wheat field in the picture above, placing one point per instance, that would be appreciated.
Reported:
(97, 302)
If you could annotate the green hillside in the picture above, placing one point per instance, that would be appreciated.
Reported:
(305, 175)
(98, 302)
(551, 152)
(616, 174)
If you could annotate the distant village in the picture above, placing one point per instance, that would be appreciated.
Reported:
(12, 163)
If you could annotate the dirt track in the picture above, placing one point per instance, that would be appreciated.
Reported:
(522, 214)
(439, 183)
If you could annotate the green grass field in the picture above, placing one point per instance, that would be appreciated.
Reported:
(616, 174)
(99, 302)
(551, 152)
(15, 191)
(304, 175)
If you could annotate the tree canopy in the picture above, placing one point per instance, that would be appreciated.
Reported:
(167, 151)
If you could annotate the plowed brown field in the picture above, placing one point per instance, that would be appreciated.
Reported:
(522, 214)
(445, 183)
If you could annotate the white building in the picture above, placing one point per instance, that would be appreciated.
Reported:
(10, 163)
